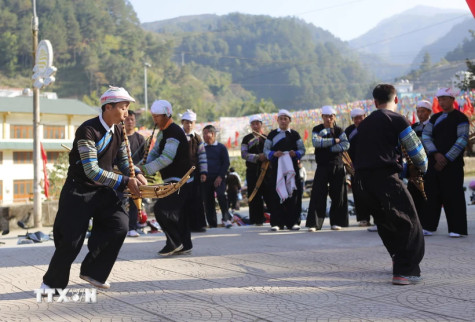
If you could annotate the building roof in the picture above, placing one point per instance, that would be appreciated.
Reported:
(24, 104)
(28, 146)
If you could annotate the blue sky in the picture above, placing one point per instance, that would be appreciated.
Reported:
(346, 19)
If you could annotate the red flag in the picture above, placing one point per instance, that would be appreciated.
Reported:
(228, 145)
(413, 117)
(305, 135)
(45, 160)
(236, 135)
(471, 5)
(435, 106)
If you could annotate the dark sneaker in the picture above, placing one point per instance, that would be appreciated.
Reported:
(406, 280)
(95, 283)
(169, 250)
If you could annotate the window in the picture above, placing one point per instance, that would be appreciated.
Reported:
(53, 132)
(52, 156)
(22, 157)
(22, 189)
(21, 131)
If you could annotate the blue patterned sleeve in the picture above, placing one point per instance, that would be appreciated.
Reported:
(427, 139)
(300, 149)
(246, 155)
(157, 161)
(202, 160)
(319, 141)
(461, 143)
(414, 148)
(344, 144)
(267, 149)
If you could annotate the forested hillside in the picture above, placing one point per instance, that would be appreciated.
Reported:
(295, 64)
(100, 42)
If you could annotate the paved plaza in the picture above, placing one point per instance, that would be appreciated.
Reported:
(251, 274)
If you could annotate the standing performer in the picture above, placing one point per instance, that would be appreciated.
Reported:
(171, 157)
(252, 150)
(445, 138)
(284, 147)
(362, 212)
(329, 141)
(194, 209)
(424, 109)
(137, 148)
(377, 168)
(90, 190)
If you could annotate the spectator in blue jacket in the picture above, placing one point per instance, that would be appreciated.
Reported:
(218, 164)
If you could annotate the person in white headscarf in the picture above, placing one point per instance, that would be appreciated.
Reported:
(445, 138)
(91, 190)
(330, 142)
(423, 110)
(286, 144)
(252, 151)
(171, 157)
(194, 209)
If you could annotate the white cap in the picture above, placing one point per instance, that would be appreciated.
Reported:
(115, 95)
(189, 115)
(445, 92)
(256, 117)
(424, 104)
(328, 110)
(162, 107)
(284, 112)
(357, 112)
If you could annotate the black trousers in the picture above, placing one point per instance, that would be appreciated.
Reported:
(328, 180)
(264, 194)
(208, 190)
(77, 204)
(133, 214)
(395, 215)
(287, 213)
(195, 209)
(362, 211)
(446, 188)
(233, 199)
(170, 214)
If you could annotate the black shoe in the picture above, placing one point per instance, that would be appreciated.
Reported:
(169, 250)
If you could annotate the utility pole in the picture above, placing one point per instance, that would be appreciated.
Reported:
(43, 71)
(145, 66)
(37, 211)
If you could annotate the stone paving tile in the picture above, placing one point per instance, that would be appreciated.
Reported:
(446, 307)
(251, 274)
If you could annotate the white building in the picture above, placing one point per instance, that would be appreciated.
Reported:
(59, 120)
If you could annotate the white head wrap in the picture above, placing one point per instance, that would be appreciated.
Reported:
(425, 104)
(162, 107)
(284, 112)
(189, 115)
(445, 92)
(116, 95)
(328, 110)
(357, 112)
(256, 117)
